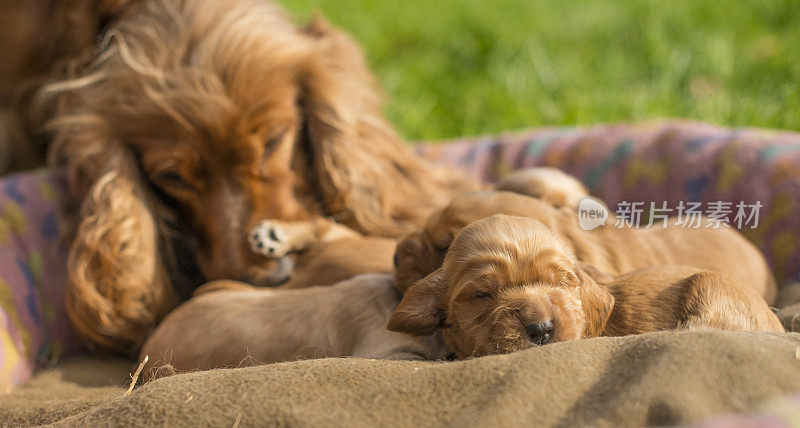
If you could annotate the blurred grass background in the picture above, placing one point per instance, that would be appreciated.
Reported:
(467, 67)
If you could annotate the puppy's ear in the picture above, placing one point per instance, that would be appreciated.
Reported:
(597, 304)
(420, 312)
(415, 258)
(368, 178)
(594, 273)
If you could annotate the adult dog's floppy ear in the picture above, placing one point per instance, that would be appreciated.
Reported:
(117, 287)
(420, 312)
(597, 303)
(368, 178)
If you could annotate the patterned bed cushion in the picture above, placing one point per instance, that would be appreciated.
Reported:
(34, 329)
(665, 162)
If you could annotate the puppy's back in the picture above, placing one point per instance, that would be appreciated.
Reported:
(721, 250)
(233, 328)
(669, 297)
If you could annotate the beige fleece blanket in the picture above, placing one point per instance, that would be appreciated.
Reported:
(653, 379)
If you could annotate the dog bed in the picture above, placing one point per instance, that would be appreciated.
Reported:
(662, 378)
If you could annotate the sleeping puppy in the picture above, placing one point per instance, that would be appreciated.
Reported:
(231, 324)
(416, 256)
(610, 249)
(510, 283)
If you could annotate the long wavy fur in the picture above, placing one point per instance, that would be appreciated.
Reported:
(185, 66)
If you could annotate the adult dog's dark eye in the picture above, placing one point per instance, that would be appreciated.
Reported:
(273, 141)
(481, 295)
(171, 178)
(270, 145)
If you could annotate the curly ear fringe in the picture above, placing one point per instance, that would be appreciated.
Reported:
(116, 289)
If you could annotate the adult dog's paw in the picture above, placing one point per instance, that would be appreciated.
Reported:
(269, 239)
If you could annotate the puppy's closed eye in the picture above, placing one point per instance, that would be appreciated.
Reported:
(481, 295)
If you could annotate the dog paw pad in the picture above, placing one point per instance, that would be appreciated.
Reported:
(267, 238)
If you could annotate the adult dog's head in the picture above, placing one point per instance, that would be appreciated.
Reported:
(196, 119)
(507, 283)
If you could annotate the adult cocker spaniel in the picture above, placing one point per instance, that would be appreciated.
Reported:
(193, 121)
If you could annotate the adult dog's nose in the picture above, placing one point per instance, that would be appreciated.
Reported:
(540, 332)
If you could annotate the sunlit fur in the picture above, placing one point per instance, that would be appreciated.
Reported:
(610, 249)
(528, 276)
(670, 297)
(419, 254)
(529, 279)
(212, 116)
(503, 273)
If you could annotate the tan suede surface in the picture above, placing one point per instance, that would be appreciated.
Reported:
(661, 378)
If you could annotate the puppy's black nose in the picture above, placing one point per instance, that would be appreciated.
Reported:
(540, 332)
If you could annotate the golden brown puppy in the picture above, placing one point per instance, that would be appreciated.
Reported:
(508, 283)
(416, 257)
(195, 119)
(230, 324)
(610, 249)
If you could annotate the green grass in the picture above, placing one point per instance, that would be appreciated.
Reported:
(466, 67)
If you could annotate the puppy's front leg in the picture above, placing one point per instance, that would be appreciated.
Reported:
(274, 238)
